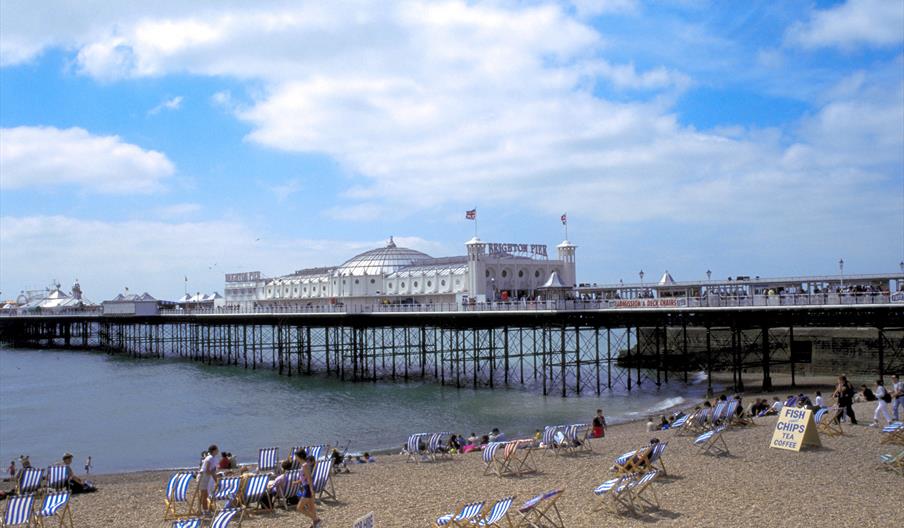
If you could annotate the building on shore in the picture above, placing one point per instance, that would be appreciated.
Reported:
(396, 275)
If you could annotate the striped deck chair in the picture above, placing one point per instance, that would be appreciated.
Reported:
(627, 463)
(267, 459)
(19, 510)
(323, 480)
(709, 442)
(55, 504)
(413, 446)
(491, 464)
(638, 490)
(227, 490)
(464, 517)
(656, 456)
(614, 493)
(435, 448)
(579, 436)
(177, 492)
(224, 517)
(255, 487)
(29, 481)
(319, 452)
(293, 483)
(498, 513)
(295, 463)
(539, 510)
(730, 413)
(516, 458)
(892, 433)
(676, 425)
(718, 413)
(825, 422)
(194, 522)
(892, 462)
(57, 478)
(549, 443)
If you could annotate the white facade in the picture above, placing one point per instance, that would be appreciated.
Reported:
(390, 275)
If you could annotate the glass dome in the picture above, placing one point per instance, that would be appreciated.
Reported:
(381, 260)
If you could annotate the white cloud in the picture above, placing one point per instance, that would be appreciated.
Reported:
(851, 24)
(178, 209)
(36, 157)
(173, 103)
(284, 190)
(589, 8)
(154, 256)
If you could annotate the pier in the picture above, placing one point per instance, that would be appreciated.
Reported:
(556, 352)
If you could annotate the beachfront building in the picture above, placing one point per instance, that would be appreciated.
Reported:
(488, 271)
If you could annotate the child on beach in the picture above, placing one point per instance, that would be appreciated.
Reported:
(599, 425)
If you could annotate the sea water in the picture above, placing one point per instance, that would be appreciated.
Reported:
(136, 414)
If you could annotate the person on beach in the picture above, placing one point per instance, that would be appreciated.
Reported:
(883, 398)
(277, 487)
(897, 389)
(306, 494)
(496, 436)
(866, 394)
(599, 425)
(818, 401)
(844, 395)
(207, 478)
(88, 465)
(776, 406)
(76, 484)
(24, 461)
(224, 461)
(650, 425)
(12, 469)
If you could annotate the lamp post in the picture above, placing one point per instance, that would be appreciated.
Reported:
(901, 265)
(641, 283)
(841, 269)
(709, 274)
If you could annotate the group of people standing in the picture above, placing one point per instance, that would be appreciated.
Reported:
(845, 395)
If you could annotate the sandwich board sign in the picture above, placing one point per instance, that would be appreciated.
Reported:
(795, 428)
(365, 522)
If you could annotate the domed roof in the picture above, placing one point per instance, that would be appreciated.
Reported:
(381, 260)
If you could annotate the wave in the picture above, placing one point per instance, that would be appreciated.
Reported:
(698, 378)
(667, 403)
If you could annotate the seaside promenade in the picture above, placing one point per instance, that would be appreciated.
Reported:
(837, 484)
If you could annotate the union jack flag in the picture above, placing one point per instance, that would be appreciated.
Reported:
(565, 219)
(471, 215)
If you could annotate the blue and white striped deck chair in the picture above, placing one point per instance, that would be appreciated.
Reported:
(676, 425)
(323, 480)
(614, 493)
(293, 482)
(489, 458)
(709, 442)
(464, 517)
(892, 433)
(825, 422)
(656, 456)
(549, 439)
(56, 504)
(638, 490)
(539, 510)
(625, 464)
(319, 452)
(19, 510)
(435, 449)
(224, 517)
(267, 459)
(227, 490)
(255, 487)
(728, 417)
(413, 446)
(579, 436)
(177, 492)
(29, 481)
(295, 462)
(497, 513)
(194, 522)
(718, 413)
(57, 478)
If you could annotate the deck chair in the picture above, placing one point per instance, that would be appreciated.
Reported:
(57, 478)
(629, 463)
(549, 443)
(19, 510)
(497, 514)
(491, 464)
(538, 511)
(177, 492)
(413, 446)
(255, 487)
(516, 458)
(709, 442)
(55, 504)
(227, 490)
(267, 459)
(319, 451)
(825, 422)
(718, 413)
(615, 494)
(295, 463)
(656, 456)
(579, 436)
(323, 480)
(194, 522)
(892, 433)
(293, 483)
(464, 517)
(678, 424)
(638, 489)
(29, 481)
(892, 462)
(435, 449)
(224, 517)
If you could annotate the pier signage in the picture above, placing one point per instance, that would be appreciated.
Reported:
(526, 249)
(365, 522)
(795, 428)
(667, 302)
(247, 276)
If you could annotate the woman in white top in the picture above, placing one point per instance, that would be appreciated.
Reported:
(207, 478)
(818, 402)
(882, 400)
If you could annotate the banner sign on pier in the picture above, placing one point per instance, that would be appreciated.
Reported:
(668, 302)
(495, 248)
(795, 428)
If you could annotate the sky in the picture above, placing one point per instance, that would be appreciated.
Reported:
(145, 143)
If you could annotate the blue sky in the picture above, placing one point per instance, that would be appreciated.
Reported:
(144, 143)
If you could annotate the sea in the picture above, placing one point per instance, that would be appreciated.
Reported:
(142, 414)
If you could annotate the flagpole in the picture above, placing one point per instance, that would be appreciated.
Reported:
(566, 225)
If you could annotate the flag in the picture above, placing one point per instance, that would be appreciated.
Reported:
(564, 218)
(471, 215)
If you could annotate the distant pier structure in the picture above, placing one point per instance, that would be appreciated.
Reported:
(572, 349)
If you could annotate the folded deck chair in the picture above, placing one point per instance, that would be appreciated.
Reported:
(267, 459)
(255, 487)
(893, 462)
(491, 464)
(464, 517)
(293, 483)
(614, 494)
(323, 480)
(709, 442)
(55, 505)
(892, 433)
(177, 492)
(224, 517)
(498, 513)
(227, 490)
(19, 510)
(825, 422)
(29, 481)
(194, 522)
(641, 490)
(58, 478)
(539, 511)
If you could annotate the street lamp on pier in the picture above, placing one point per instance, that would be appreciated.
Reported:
(841, 269)
(709, 274)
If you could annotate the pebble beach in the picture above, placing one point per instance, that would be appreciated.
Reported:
(752, 486)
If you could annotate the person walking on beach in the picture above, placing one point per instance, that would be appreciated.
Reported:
(844, 395)
(897, 390)
(306, 493)
(599, 424)
(12, 469)
(207, 478)
(88, 466)
(883, 398)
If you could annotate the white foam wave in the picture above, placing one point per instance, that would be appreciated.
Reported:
(667, 403)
